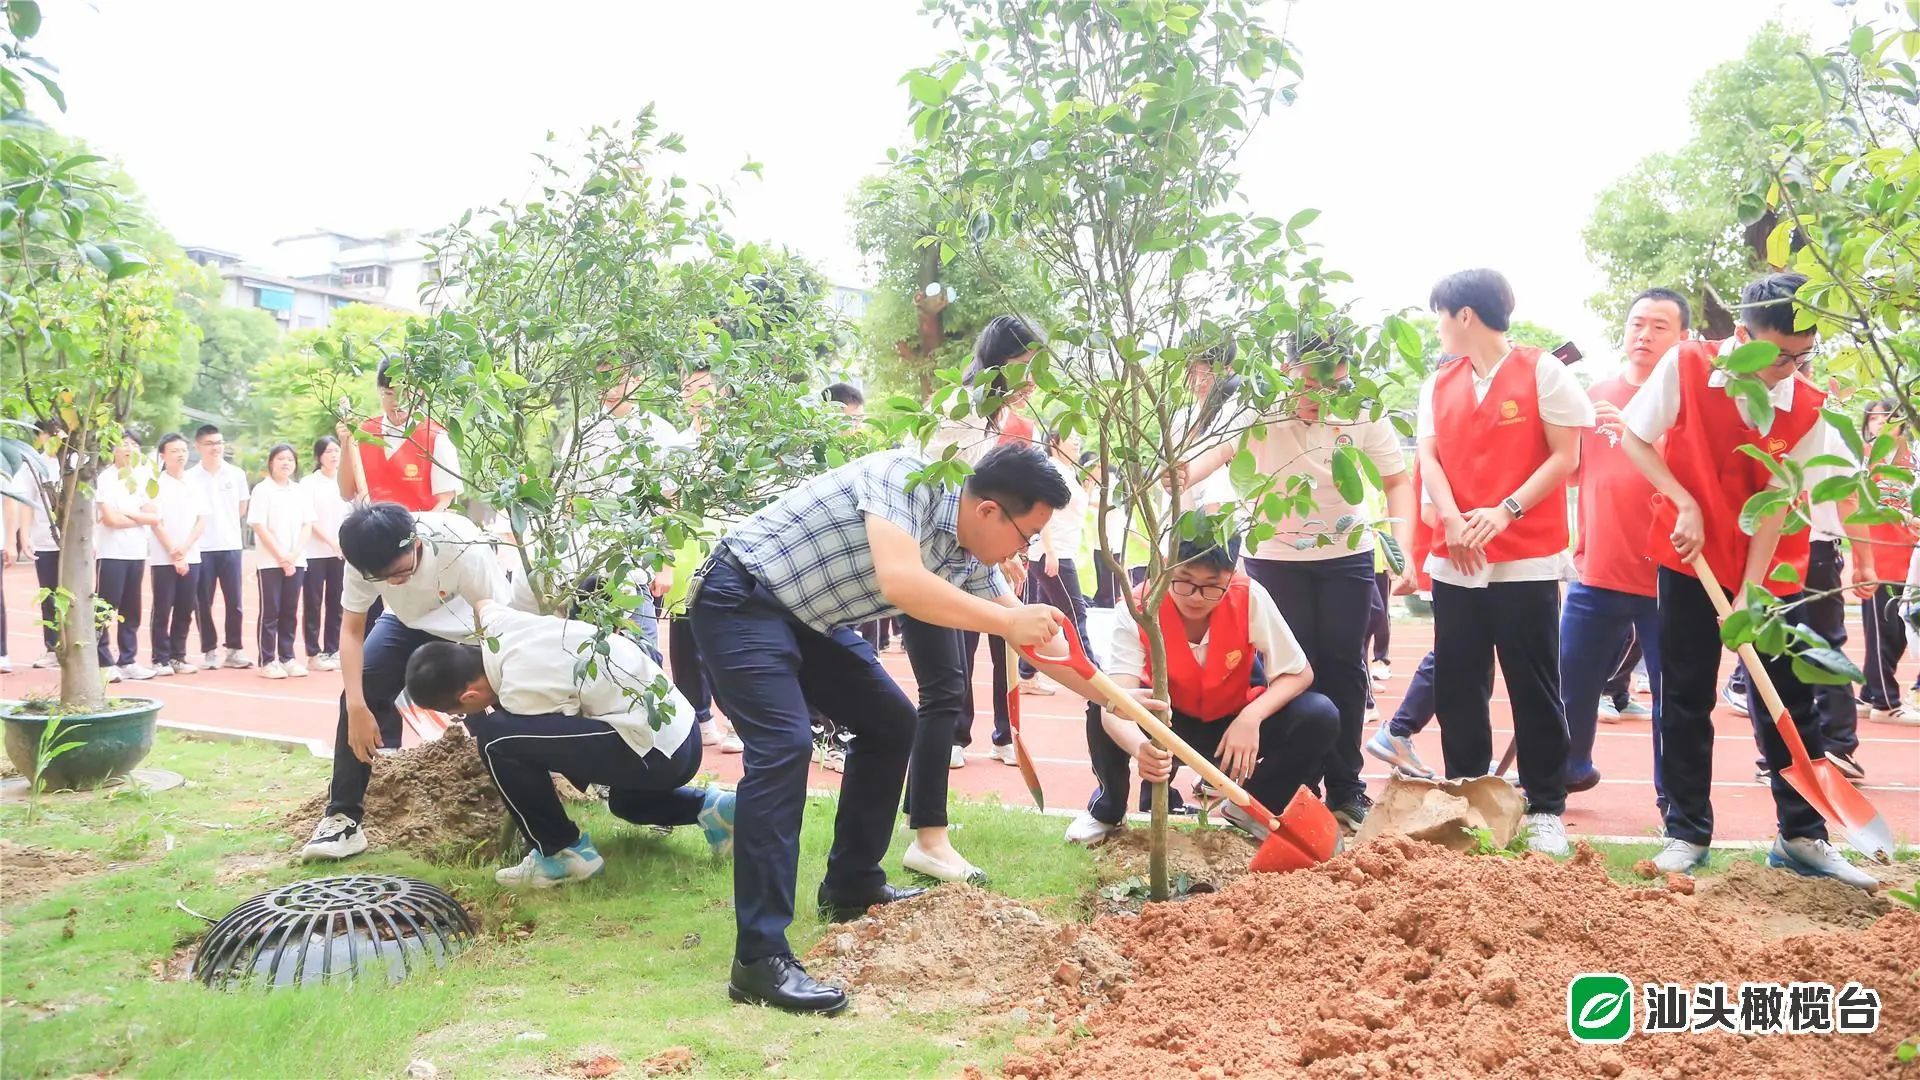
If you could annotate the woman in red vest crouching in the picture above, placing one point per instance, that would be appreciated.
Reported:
(1237, 679)
(1685, 431)
(1499, 433)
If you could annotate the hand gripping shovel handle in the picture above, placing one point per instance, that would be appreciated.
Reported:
(1128, 706)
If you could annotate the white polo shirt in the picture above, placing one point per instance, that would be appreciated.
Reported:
(225, 490)
(125, 493)
(181, 503)
(535, 665)
(1294, 447)
(458, 566)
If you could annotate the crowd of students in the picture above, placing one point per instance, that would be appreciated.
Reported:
(1274, 653)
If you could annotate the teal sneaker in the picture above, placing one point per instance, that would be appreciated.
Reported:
(1636, 710)
(1817, 858)
(537, 871)
(716, 822)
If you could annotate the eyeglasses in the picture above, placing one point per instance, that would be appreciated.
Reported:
(1802, 360)
(1029, 536)
(1204, 592)
(389, 575)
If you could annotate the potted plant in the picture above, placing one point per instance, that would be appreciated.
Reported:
(77, 315)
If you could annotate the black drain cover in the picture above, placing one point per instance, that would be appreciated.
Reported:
(334, 928)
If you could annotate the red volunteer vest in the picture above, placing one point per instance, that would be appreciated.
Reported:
(1616, 503)
(1703, 451)
(1220, 688)
(1893, 544)
(1489, 448)
(407, 476)
(1015, 429)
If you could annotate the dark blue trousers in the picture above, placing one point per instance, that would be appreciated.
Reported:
(174, 597)
(221, 568)
(769, 672)
(383, 674)
(119, 583)
(1594, 627)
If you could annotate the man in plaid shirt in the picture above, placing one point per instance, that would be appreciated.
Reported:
(775, 614)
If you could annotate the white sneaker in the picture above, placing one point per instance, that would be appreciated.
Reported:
(1817, 858)
(326, 662)
(6, 666)
(1004, 755)
(1680, 857)
(1639, 685)
(710, 733)
(162, 671)
(210, 660)
(731, 744)
(113, 674)
(1546, 834)
(237, 659)
(957, 759)
(1609, 712)
(577, 863)
(1088, 830)
(1381, 671)
(273, 671)
(48, 659)
(336, 837)
(296, 669)
(1039, 686)
(920, 862)
(137, 672)
(181, 667)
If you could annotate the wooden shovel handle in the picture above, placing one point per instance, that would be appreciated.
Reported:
(1757, 678)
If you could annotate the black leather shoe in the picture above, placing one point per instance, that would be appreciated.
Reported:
(835, 909)
(781, 982)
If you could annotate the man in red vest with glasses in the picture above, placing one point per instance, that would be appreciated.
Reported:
(1499, 429)
(1705, 478)
(1237, 678)
(411, 462)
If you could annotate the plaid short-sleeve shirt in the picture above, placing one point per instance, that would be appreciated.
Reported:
(809, 548)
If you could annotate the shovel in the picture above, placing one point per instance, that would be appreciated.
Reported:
(1818, 782)
(1020, 757)
(1305, 834)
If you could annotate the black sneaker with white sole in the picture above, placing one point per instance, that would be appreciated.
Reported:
(336, 837)
(1848, 767)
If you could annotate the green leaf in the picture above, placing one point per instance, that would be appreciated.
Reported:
(1346, 474)
(1752, 393)
(1735, 631)
(1860, 43)
(510, 380)
(1843, 424)
(1752, 357)
(1826, 667)
(1243, 471)
(23, 18)
(1762, 504)
(1751, 208)
(1406, 337)
(1780, 243)
(1302, 219)
(1785, 573)
(1834, 488)
(925, 89)
(1396, 558)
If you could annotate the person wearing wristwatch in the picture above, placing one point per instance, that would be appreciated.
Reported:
(1499, 430)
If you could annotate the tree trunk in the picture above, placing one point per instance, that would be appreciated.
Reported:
(1157, 845)
(80, 686)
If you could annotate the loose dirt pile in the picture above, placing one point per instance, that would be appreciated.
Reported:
(27, 872)
(1213, 856)
(1402, 958)
(1781, 904)
(959, 947)
(433, 800)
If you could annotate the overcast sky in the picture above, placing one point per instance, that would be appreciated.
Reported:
(1432, 135)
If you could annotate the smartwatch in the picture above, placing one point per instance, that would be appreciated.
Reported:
(1512, 506)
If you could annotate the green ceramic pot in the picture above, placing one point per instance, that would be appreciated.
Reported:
(111, 742)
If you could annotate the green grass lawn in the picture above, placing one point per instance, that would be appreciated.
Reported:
(627, 965)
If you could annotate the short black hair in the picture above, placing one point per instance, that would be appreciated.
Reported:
(1767, 304)
(1211, 554)
(1485, 291)
(279, 448)
(439, 671)
(373, 536)
(1669, 295)
(1003, 338)
(383, 375)
(320, 446)
(843, 393)
(203, 431)
(1218, 354)
(169, 439)
(1017, 475)
(51, 425)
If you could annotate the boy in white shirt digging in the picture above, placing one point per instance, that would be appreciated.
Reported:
(535, 708)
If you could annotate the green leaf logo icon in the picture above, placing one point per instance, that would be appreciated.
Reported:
(1600, 1007)
(1601, 1010)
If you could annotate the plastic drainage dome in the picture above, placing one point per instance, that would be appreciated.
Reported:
(334, 928)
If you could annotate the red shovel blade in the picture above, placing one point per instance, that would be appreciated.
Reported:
(1830, 794)
(1020, 758)
(1307, 836)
